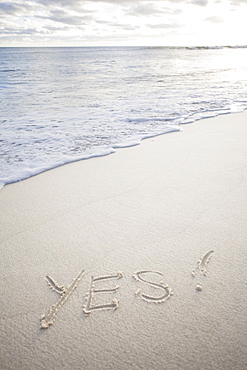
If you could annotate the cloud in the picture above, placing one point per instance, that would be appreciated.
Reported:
(150, 9)
(143, 10)
(107, 21)
(9, 8)
(63, 17)
(123, 26)
(238, 2)
(200, 2)
(14, 9)
(165, 25)
(25, 31)
(74, 3)
(215, 19)
(126, 27)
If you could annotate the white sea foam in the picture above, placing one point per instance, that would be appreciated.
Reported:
(60, 105)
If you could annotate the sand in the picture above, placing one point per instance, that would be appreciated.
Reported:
(144, 251)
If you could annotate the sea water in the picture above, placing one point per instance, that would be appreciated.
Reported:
(60, 105)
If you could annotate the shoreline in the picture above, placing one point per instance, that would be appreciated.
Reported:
(108, 150)
(149, 247)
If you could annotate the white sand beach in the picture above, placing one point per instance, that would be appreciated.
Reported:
(136, 223)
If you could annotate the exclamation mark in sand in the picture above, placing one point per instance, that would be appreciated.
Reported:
(201, 268)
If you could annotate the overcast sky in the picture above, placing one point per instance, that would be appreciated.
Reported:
(123, 22)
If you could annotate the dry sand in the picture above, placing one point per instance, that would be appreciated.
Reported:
(158, 236)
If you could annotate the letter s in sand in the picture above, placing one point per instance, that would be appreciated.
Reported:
(166, 291)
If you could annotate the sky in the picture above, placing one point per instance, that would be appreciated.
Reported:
(123, 22)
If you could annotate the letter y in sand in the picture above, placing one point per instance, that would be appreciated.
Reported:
(49, 319)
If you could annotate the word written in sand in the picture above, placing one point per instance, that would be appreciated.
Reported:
(165, 291)
(140, 276)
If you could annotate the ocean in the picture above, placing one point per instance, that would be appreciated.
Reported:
(60, 105)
